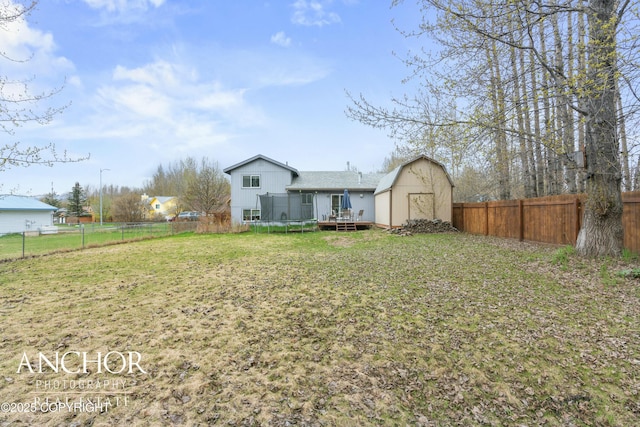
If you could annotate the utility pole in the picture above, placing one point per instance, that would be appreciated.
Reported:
(101, 170)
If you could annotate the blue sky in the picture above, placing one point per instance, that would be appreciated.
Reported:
(154, 81)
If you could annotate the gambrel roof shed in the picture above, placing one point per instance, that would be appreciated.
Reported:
(418, 189)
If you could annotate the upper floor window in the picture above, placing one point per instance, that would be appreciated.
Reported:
(250, 181)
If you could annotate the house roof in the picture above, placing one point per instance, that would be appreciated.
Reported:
(161, 199)
(10, 202)
(335, 181)
(387, 181)
(228, 170)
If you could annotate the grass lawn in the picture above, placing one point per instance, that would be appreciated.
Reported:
(322, 328)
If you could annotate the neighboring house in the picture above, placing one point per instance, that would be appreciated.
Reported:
(320, 192)
(165, 207)
(418, 189)
(21, 213)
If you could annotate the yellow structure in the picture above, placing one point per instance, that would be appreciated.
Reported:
(418, 189)
(160, 207)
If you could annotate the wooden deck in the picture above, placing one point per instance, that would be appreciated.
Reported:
(344, 225)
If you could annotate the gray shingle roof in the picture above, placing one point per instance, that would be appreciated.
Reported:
(335, 181)
(9, 202)
(228, 170)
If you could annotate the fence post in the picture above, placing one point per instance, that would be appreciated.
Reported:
(24, 242)
(578, 219)
(521, 216)
(486, 218)
(82, 228)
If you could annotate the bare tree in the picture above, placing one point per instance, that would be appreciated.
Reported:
(199, 186)
(128, 207)
(575, 86)
(207, 189)
(19, 105)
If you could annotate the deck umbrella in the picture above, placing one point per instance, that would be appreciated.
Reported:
(346, 200)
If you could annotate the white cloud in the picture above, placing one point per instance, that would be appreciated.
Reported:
(169, 108)
(313, 13)
(30, 64)
(29, 51)
(123, 5)
(280, 38)
(155, 74)
(180, 84)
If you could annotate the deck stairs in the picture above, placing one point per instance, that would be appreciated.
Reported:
(346, 226)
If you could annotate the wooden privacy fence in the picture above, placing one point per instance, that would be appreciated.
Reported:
(553, 219)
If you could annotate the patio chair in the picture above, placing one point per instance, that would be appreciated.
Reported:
(360, 213)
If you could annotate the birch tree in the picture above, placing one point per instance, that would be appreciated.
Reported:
(571, 83)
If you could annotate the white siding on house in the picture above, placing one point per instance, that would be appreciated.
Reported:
(273, 179)
(280, 178)
(19, 221)
(22, 213)
(364, 203)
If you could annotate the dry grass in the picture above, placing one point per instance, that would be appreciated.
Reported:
(331, 329)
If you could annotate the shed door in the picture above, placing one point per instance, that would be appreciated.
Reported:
(421, 206)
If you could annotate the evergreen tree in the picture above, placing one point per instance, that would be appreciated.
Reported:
(52, 199)
(77, 200)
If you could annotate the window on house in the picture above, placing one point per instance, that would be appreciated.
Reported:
(251, 214)
(307, 198)
(157, 206)
(250, 181)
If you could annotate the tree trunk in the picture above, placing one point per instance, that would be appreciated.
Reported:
(537, 138)
(520, 105)
(498, 103)
(565, 146)
(602, 232)
(582, 71)
(548, 135)
(626, 170)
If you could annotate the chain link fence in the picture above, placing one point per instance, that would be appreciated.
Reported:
(69, 237)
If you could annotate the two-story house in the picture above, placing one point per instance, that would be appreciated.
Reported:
(318, 194)
(263, 189)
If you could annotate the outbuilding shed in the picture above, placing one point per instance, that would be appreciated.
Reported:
(21, 213)
(418, 189)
